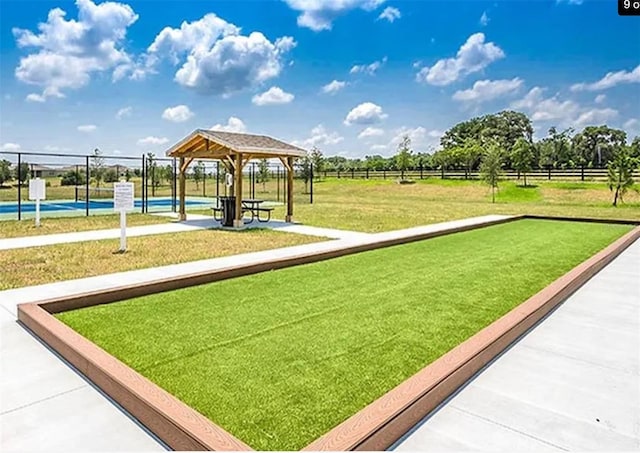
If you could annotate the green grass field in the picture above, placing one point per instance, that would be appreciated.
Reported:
(281, 357)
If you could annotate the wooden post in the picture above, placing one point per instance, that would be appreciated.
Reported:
(237, 222)
(289, 216)
(183, 188)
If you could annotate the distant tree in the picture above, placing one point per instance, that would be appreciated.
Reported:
(73, 178)
(556, 150)
(198, 173)
(404, 155)
(317, 160)
(522, 157)
(620, 173)
(153, 174)
(110, 175)
(22, 173)
(635, 147)
(136, 172)
(491, 168)
(596, 145)
(469, 155)
(304, 167)
(5, 171)
(167, 173)
(263, 173)
(98, 168)
(127, 175)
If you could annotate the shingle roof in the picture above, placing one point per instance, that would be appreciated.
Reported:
(240, 143)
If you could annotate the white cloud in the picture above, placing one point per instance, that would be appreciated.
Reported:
(333, 87)
(595, 116)
(177, 114)
(370, 132)
(319, 136)
(56, 149)
(390, 14)
(214, 57)
(565, 113)
(124, 112)
(365, 113)
(484, 19)
(233, 125)
(421, 139)
(35, 97)
(632, 127)
(486, 90)
(600, 98)
(69, 51)
(151, 140)
(319, 15)
(546, 109)
(273, 96)
(610, 80)
(87, 128)
(370, 69)
(11, 147)
(473, 56)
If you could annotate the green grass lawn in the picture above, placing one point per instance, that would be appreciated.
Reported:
(281, 357)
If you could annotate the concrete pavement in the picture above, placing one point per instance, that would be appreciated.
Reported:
(572, 383)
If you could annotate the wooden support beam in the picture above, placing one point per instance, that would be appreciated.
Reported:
(246, 160)
(182, 190)
(289, 216)
(230, 161)
(237, 223)
(288, 162)
(184, 163)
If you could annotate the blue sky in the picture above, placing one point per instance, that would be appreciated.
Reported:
(348, 76)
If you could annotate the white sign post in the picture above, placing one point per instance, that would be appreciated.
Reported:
(37, 192)
(123, 202)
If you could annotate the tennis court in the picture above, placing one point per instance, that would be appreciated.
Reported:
(60, 206)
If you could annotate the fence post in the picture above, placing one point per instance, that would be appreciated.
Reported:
(582, 172)
(311, 188)
(19, 188)
(278, 183)
(352, 177)
(367, 170)
(174, 186)
(204, 182)
(549, 173)
(86, 189)
(384, 173)
(421, 173)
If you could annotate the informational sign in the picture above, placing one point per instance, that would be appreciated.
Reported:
(123, 202)
(229, 179)
(123, 196)
(37, 189)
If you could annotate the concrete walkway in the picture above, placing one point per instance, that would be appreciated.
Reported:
(194, 222)
(572, 383)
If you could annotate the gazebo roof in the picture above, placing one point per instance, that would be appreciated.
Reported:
(213, 144)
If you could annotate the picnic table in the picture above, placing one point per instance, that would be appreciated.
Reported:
(249, 205)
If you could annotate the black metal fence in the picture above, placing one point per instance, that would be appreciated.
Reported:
(82, 184)
(422, 173)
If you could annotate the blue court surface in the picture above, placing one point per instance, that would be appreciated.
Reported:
(61, 206)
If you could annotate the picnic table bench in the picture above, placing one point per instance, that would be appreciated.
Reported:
(251, 206)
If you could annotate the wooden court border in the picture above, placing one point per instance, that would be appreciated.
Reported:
(375, 427)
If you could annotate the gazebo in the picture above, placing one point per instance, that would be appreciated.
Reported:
(233, 150)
